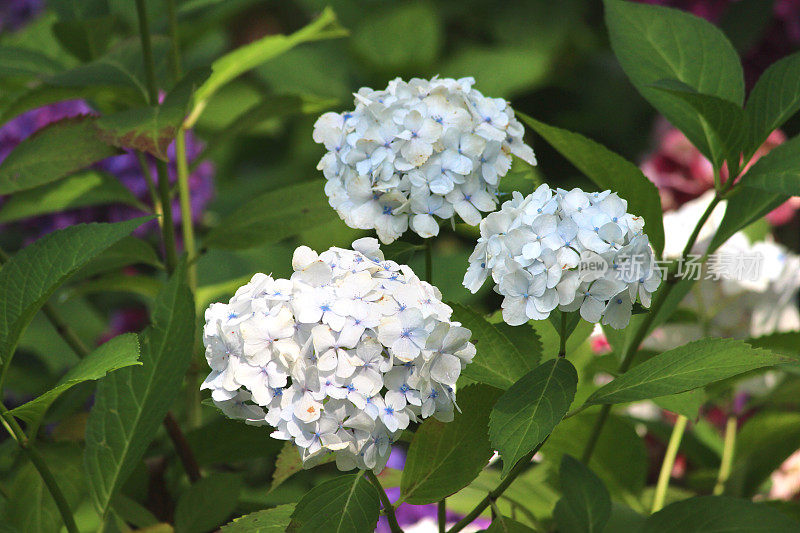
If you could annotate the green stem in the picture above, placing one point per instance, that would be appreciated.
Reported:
(520, 467)
(193, 410)
(441, 515)
(151, 185)
(728, 450)
(167, 229)
(181, 163)
(429, 261)
(39, 463)
(562, 345)
(668, 463)
(630, 348)
(388, 508)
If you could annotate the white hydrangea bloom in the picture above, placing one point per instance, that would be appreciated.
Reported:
(338, 359)
(417, 151)
(570, 250)
(747, 289)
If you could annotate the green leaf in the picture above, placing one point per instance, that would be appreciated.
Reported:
(80, 29)
(529, 410)
(115, 78)
(25, 62)
(273, 107)
(497, 362)
(445, 457)
(121, 67)
(274, 520)
(687, 367)
(654, 43)
(87, 37)
(624, 474)
(381, 39)
(232, 439)
(144, 286)
(273, 216)
(502, 71)
(251, 55)
(119, 352)
(778, 171)
(31, 508)
(745, 207)
(726, 128)
(53, 152)
(129, 250)
(344, 504)
(586, 505)
(685, 403)
(608, 171)
(502, 524)
(773, 100)
(131, 403)
(287, 464)
(763, 443)
(151, 129)
(32, 275)
(782, 342)
(718, 514)
(83, 189)
(133, 512)
(207, 503)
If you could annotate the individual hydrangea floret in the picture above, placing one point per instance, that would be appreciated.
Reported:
(417, 151)
(340, 358)
(565, 249)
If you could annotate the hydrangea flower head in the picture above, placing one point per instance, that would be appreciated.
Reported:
(338, 359)
(417, 151)
(565, 249)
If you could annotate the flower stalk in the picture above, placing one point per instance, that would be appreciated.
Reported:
(388, 508)
(668, 463)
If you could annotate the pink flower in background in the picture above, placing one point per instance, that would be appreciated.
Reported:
(682, 173)
(786, 479)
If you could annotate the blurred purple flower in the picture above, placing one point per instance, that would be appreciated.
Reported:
(124, 167)
(15, 13)
(410, 515)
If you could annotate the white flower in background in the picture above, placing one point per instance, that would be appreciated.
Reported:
(341, 357)
(747, 289)
(570, 250)
(418, 150)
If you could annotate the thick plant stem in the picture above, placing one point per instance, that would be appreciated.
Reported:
(520, 466)
(167, 229)
(193, 412)
(388, 508)
(41, 466)
(668, 463)
(498, 491)
(181, 164)
(441, 515)
(630, 348)
(182, 448)
(728, 451)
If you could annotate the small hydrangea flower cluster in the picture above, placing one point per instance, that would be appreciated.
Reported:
(567, 249)
(418, 150)
(339, 358)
